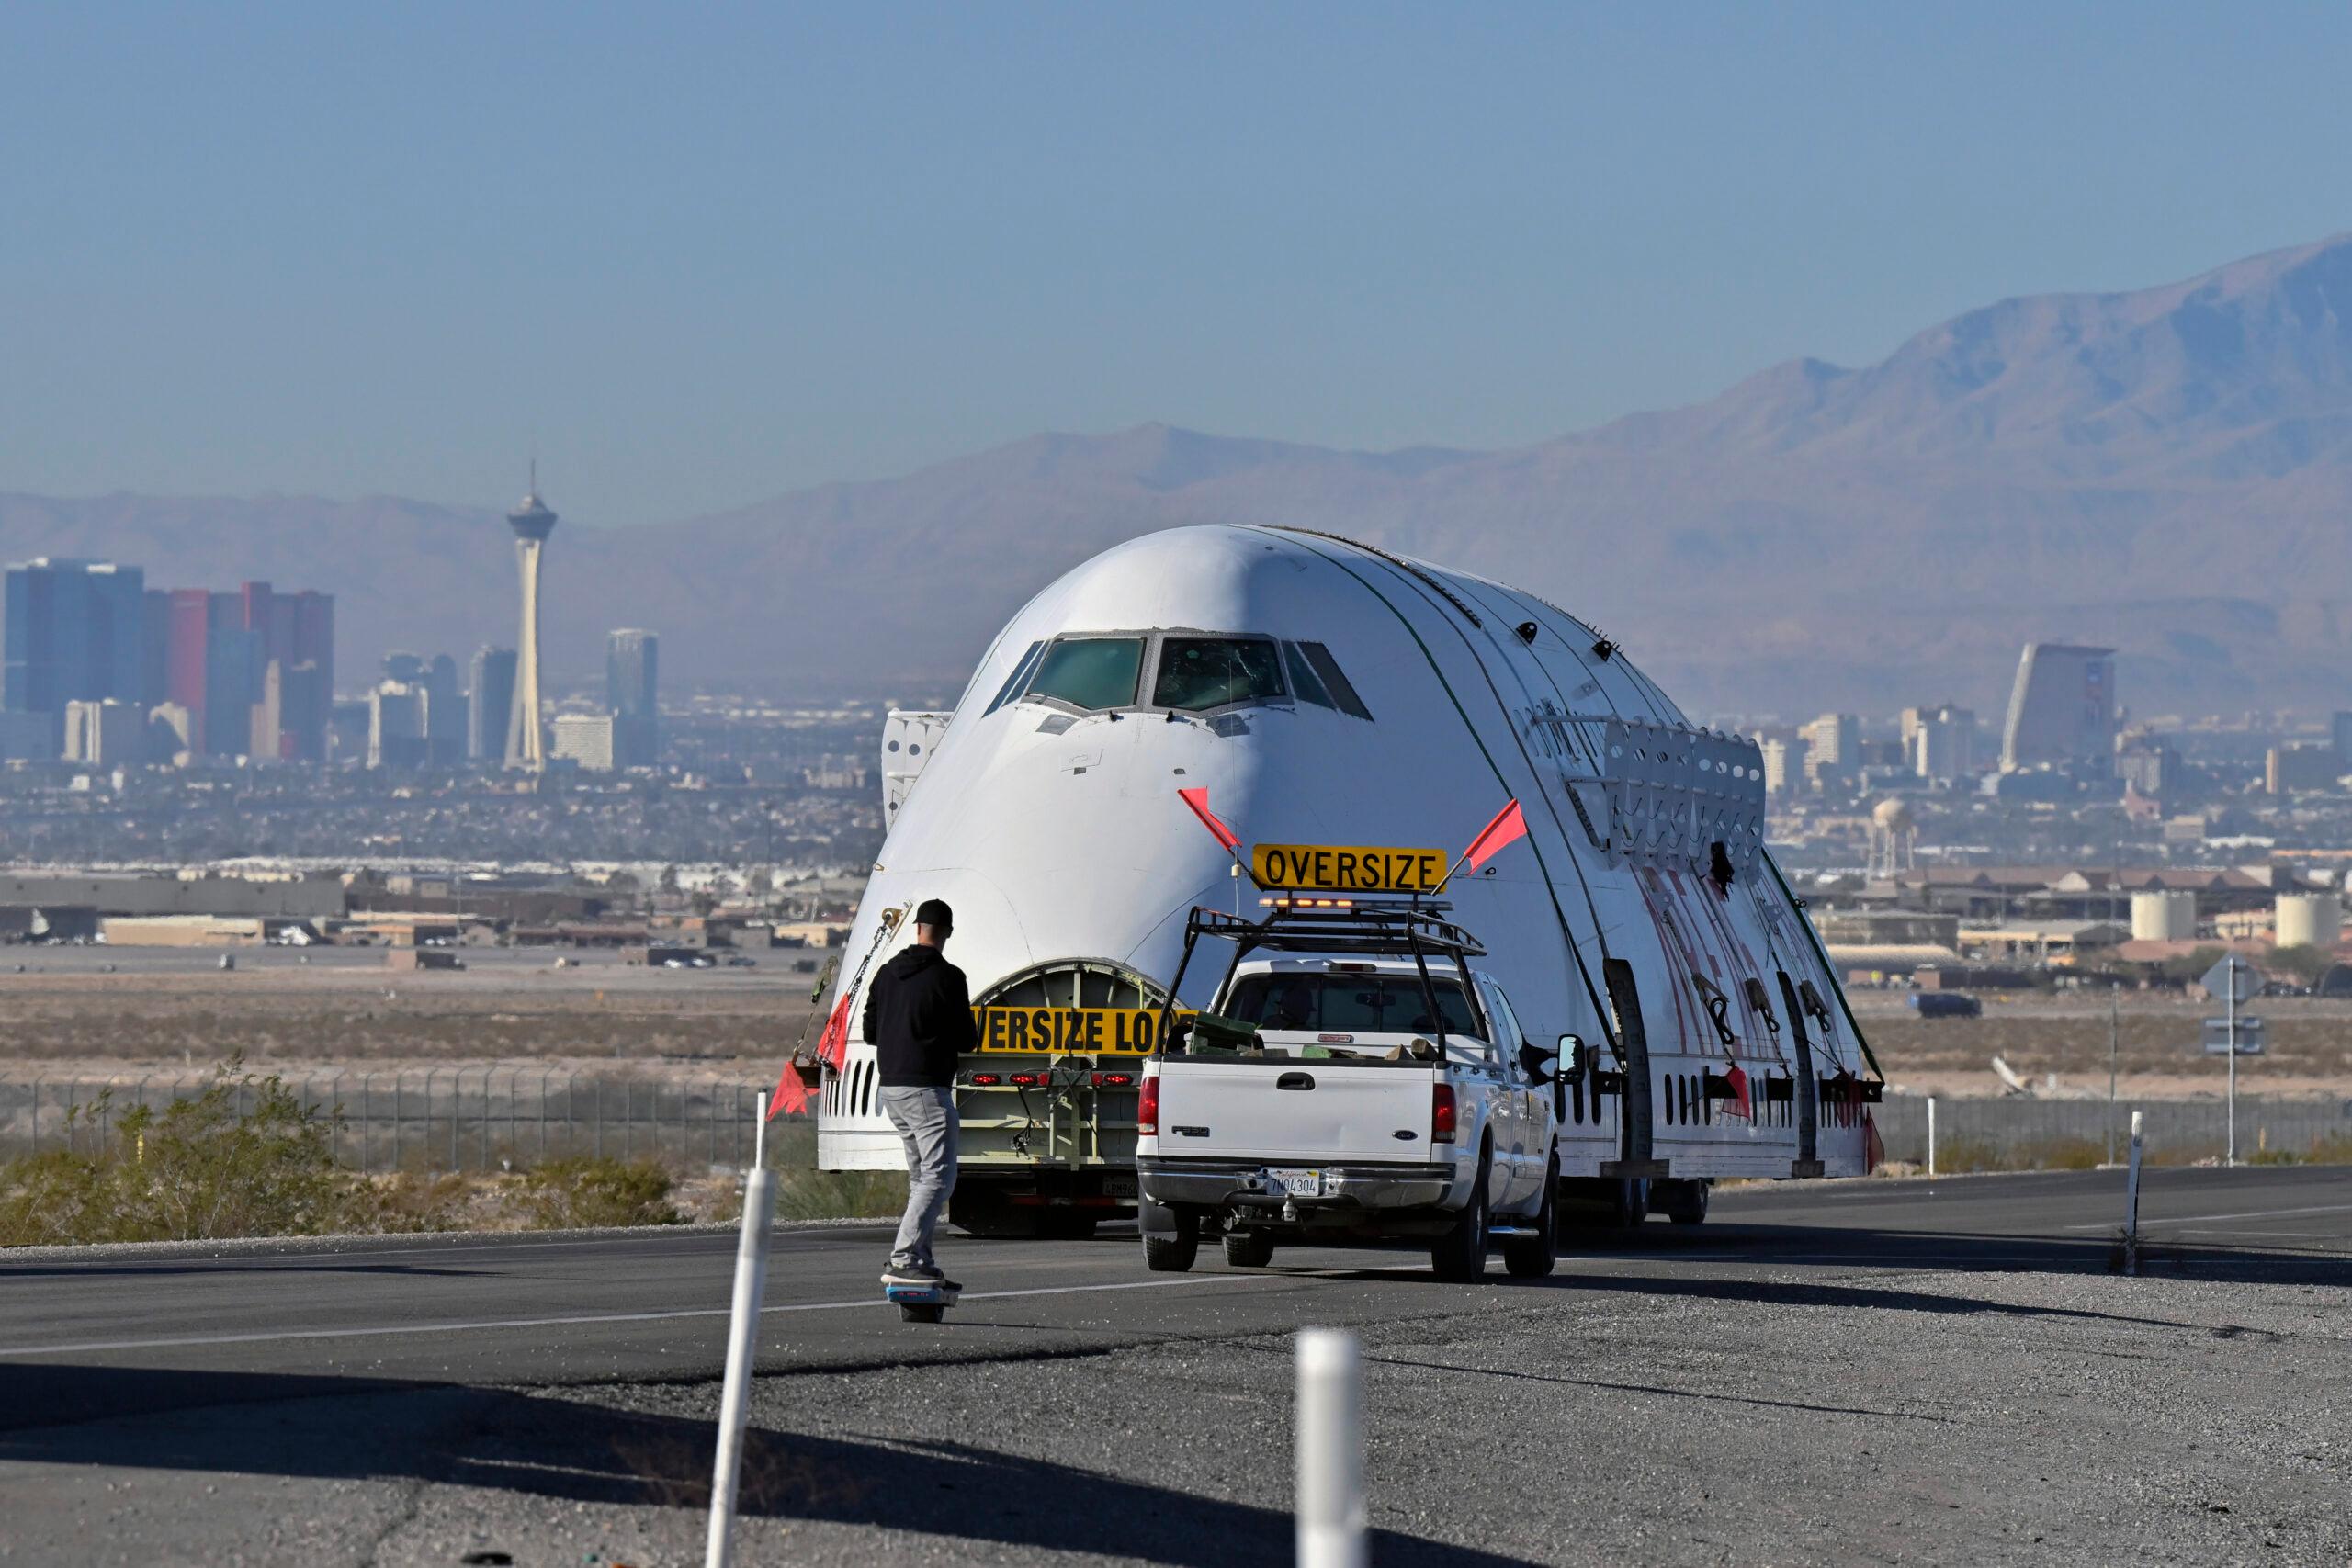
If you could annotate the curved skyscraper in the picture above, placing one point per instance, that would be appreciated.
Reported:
(525, 738)
(2061, 709)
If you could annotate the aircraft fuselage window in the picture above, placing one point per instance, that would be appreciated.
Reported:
(1090, 672)
(1199, 672)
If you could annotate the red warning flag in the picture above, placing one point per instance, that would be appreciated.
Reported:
(1509, 826)
(1198, 800)
(791, 1096)
(1740, 1104)
(832, 1046)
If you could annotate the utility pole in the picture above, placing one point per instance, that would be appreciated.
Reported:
(2230, 1150)
(2113, 1007)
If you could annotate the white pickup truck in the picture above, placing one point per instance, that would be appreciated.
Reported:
(1354, 1080)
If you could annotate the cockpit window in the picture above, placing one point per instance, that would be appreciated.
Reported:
(1090, 671)
(1319, 658)
(1200, 673)
(1303, 679)
(1018, 678)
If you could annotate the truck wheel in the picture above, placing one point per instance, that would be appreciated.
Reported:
(1167, 1252)
(1531, 1257)
(1461, 1253)
(1248, 1249)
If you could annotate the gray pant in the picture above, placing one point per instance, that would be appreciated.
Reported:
(925, 1119)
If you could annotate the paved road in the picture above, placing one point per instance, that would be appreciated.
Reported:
(550, 1397)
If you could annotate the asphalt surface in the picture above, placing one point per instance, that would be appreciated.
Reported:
(1882, 1370)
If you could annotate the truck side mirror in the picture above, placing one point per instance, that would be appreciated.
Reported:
(1572, 1062)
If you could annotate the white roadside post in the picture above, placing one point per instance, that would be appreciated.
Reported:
(1931, 1134)
(2131, 1204)
(1331, 1504)
(742, 1339)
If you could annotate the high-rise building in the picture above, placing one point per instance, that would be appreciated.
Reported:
(232, 670)
(445, 713)
(586, 738)
(2061, 709)
(1941, 742)
(1833, 748)
(106, 734)
(632, 660)
(532, 523)
(396, 725)
(490, 704)
(171, 735)
(2339, 731)
(1784, 767)
(74, 631)
(211, 654)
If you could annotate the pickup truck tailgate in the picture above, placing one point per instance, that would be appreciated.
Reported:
(1294, 1112)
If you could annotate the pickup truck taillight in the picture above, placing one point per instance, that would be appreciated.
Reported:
(1442, 1113)
(1147, 1108)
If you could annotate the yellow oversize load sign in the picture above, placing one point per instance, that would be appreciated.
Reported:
(1347, 868)
(1129, 1030)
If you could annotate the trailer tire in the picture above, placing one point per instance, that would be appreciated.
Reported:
(1532, 1257)
(1684, 1202)
(1461, 1253)
(1248, 1249)
(1172, 1252)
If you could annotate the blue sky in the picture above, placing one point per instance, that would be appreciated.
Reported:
(698, 255)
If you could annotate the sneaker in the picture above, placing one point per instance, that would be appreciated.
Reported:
(912, 1275)
(944, 1284)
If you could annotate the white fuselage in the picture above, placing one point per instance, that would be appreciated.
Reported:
(1056, 831)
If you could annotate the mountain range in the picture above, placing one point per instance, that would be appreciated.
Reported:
(2168, 470)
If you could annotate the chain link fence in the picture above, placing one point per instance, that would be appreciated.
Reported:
(2019, 1134)
(463, 1119)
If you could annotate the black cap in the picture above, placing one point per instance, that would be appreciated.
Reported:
(936, 912)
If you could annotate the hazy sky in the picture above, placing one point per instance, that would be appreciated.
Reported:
(696, 255)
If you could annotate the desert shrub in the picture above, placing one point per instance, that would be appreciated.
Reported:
(244, 1156)
(839, 1194)
(408, 1201)
(568, 1193)
(2335, 1149)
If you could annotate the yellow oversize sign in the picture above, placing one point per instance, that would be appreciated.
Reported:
(1130, 1031)
(1347, 868)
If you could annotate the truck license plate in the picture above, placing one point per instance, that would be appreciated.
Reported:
(1118, 1187)
(1299, 1183)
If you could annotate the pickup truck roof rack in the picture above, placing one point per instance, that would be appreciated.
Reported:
(1417, 930)
(1387, 930)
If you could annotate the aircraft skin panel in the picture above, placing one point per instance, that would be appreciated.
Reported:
(1058, 834)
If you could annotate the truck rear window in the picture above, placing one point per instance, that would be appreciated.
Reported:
(1346, 1004)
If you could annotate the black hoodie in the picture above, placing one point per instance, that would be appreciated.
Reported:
(919, 1020)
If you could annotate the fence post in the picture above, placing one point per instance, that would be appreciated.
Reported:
(1331, 1504)
(742, 1341)
(546, 1073)
(2131, 1204)
(1931, 1134)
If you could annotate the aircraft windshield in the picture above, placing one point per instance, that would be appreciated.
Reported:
(1199, 672)
(1090, 673)
(1346, 1004)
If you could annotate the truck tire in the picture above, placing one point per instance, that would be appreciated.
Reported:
(1173, 1252)
(1461, 1253)
(1248, 1249)
(1531, 1257)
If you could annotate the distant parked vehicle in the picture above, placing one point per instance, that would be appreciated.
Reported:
(1945, 1004)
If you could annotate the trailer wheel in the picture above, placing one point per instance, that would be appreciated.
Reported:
(1531, 1257)
(1461, 1253)
(1172, 1252)
(1684, 1202)
(1248, 1249)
